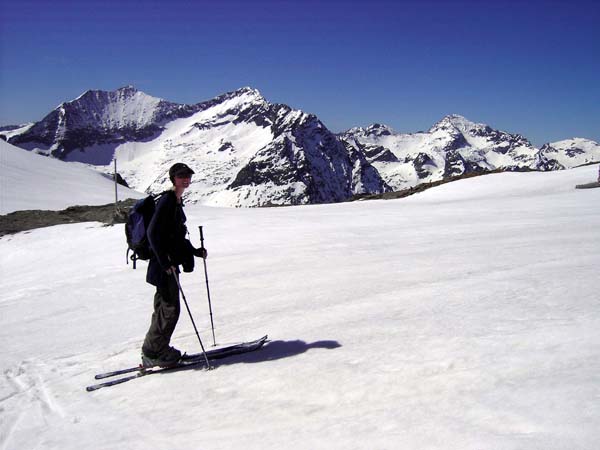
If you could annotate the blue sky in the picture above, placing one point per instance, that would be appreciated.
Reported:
(529, 67)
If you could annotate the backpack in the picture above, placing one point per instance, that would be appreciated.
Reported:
(136, 228)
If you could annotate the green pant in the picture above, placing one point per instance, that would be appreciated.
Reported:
(164, 319)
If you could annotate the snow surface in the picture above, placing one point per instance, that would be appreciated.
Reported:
(31, 181)
(464, 317)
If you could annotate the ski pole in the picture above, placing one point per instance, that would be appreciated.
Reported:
(192, 319)
(207, 288)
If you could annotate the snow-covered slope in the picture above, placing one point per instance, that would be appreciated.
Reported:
(470, 320)
(30, 181)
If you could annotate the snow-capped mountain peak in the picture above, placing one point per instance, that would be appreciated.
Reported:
(242, 96)
(453, 121)
(374, 130)
(89, 128)
(378, 129)
(124, 107)
(127, 90)
(250, 92)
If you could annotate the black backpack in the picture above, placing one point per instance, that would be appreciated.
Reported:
(136, 228)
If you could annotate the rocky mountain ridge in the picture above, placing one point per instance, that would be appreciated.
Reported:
(249, 152)
(456, 146)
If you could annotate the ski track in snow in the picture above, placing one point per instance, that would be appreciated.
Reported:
(29, 403)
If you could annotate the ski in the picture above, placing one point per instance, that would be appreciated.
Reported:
(212, 354)
(592, 185)
(141, 372)
(186, 361)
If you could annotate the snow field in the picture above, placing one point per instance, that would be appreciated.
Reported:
(31, 181)
(462, 317)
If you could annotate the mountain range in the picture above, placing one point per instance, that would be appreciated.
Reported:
(247, 151)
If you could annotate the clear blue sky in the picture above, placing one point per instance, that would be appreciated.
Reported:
(529, 67)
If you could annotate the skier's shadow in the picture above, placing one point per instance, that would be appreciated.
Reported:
(274, 350)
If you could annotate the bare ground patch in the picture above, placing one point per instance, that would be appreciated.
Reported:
(29, 219)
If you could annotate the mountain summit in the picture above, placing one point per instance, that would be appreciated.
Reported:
(89, 128)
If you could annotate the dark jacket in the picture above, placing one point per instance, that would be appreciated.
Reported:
(166, 234)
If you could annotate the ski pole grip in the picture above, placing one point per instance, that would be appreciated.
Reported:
(201, 237)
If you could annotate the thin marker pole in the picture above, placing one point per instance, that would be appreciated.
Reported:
(116, 195)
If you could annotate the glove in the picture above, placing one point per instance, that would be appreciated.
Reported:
(200, 252)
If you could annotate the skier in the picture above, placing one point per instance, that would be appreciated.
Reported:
(598, 174)
(170, 248)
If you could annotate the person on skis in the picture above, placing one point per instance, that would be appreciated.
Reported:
(170, 249)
